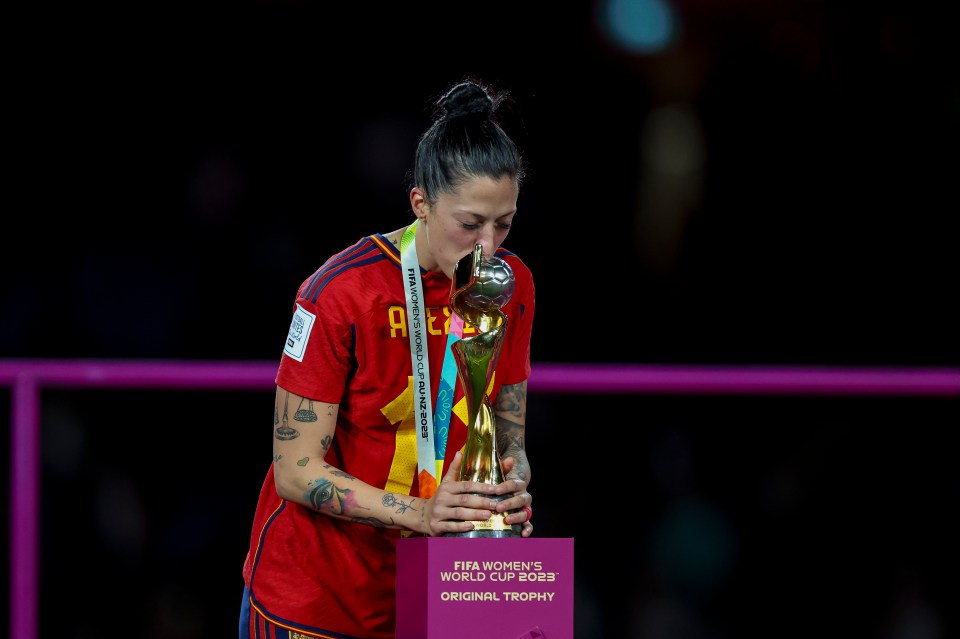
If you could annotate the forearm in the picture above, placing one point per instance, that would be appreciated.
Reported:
(333, 492)
(510, 411)
(510, 443)
(302, 475)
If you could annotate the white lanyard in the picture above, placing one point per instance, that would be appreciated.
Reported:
(429, 458)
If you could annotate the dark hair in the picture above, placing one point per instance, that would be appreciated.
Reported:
(465, 141)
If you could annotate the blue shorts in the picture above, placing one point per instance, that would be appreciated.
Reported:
(254, 626)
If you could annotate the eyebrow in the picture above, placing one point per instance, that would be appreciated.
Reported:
(478, 216)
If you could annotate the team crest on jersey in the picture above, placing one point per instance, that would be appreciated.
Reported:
(299, 334)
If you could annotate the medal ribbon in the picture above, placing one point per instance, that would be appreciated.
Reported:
(432, 429)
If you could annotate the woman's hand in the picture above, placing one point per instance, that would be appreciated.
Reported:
(521, 501)
(457, 504)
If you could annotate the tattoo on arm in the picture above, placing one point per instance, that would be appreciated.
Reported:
(511, 411)
(372, 521)
(325, 495)
(390, 500)
(305, 414)
(512, 400)
(511, 414)
(285, 432)
(510, 438)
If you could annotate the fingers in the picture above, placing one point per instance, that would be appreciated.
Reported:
(509, 485)
(453, 472)
(460, 518)
(457, 504)
(512, 470)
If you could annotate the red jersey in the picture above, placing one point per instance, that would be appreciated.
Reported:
(349, 345)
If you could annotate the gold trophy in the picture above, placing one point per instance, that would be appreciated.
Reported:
(481, 286)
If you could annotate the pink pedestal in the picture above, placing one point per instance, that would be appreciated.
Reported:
(484, 588)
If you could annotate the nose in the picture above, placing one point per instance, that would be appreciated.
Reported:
(486, 238)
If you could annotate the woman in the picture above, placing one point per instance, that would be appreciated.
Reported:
(370, 335)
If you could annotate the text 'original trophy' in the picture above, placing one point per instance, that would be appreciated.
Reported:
(481, 286)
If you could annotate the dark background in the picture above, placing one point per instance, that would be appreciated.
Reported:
(776, 185)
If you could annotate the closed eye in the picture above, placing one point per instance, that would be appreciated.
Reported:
(473, 227)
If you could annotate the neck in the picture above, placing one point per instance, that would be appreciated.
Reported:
(424, 255)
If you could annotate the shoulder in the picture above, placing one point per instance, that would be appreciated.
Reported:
(356, 268)
(524, 292)
(520, 269)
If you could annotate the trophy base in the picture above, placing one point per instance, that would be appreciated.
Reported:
(512, 531)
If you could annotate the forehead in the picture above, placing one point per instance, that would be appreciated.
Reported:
(483, 196)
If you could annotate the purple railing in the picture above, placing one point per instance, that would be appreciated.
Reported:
(27, 378)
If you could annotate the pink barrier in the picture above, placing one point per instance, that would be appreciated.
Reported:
(27, 378)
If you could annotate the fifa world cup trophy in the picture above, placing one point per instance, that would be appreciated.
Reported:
(481, 286)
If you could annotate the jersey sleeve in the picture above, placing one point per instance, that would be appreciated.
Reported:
(513, 366)
(318, 351)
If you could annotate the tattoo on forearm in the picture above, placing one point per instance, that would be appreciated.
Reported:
(512, 400)
(390, 501)
(325, 442)
(340, 473)
(510, 436)
(325, 495)
(510, 443)
(303, 462)
(372, 521)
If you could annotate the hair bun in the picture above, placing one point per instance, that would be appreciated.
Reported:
(467, 99)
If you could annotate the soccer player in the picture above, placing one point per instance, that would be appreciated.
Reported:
(365, 379)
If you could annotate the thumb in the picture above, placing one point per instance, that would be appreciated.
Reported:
(453, 471)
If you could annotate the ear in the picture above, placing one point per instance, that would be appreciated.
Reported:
(418, 202)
